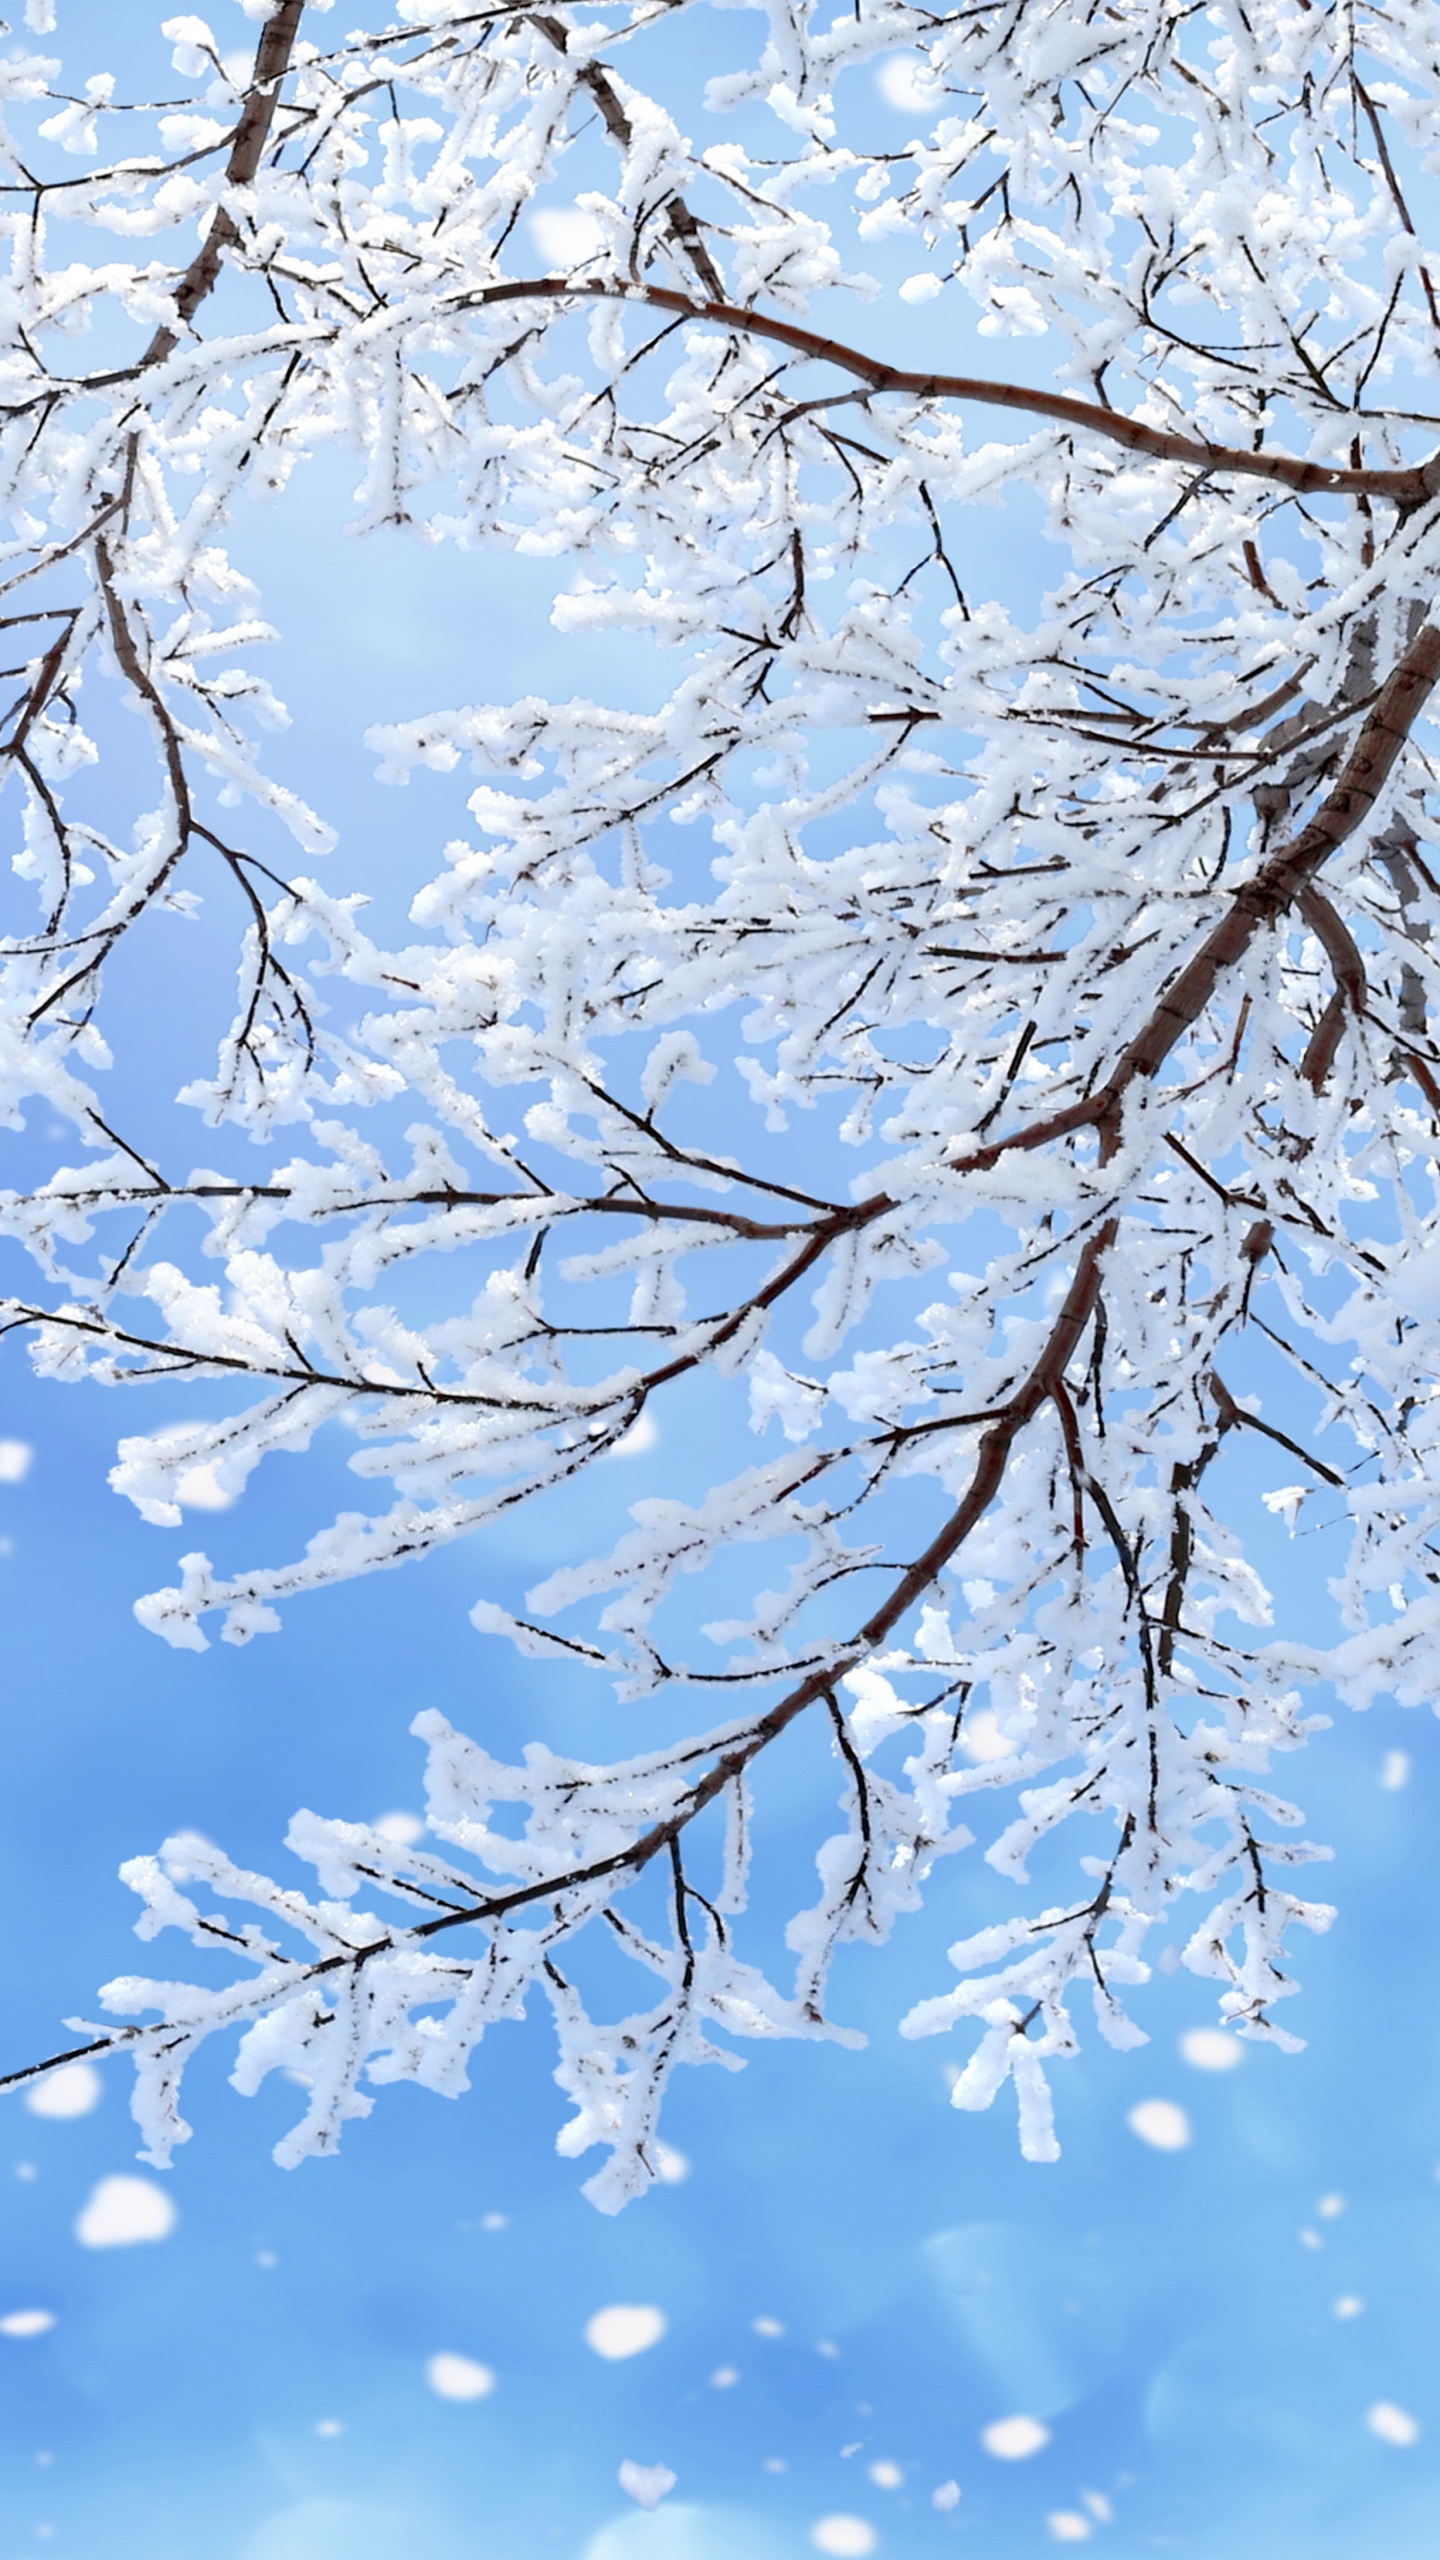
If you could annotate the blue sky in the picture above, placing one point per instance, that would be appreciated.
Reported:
(1203, 2334)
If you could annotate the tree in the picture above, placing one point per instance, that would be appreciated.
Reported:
(1102, 934)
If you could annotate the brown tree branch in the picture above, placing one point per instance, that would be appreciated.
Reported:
(545, 1205)
(818, 1685)
(680, 222)
(1350, 994)
(272, 61)
(1409, 486)
(1277, 885)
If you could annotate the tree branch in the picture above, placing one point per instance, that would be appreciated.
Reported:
(1409, 486)
(272, 61)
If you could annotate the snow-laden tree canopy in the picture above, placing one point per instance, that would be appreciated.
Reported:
(1094, 944)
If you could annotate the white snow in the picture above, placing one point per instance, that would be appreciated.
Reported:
(454, 2377)
(403, 1828)
(73, 2090)
(121, 2211)
(1161, 2123)
(1392, 2424)
(906, 81)
(642, 1435)
(564, 235)
(624, 2329)
(646, 2483)
(1211, 2049)
(199, 1489)
(844, 2537)
(1015, 2439)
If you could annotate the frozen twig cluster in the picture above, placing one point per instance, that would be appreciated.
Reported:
(1101, 933)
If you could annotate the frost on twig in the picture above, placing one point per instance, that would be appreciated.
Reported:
(979, 1041)
(347, 1999)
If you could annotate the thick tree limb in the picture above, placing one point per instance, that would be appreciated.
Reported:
(1278, 884)
(272, 61)
(1408, 487)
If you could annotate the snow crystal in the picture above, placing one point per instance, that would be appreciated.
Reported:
(643, 1435)
(1014, 2439)
(564, 235)
(454, 2377)
(646, 2483)
(73, 2090)
(906, 82)
(1161, 2123)
(1211, 2049)
(844, 2537)
(403, 1828)
(1392, 2424)
(624, 2329)
(200, 1489)
(120, 2211)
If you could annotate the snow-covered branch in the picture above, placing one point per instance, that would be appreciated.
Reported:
(983, 1038)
